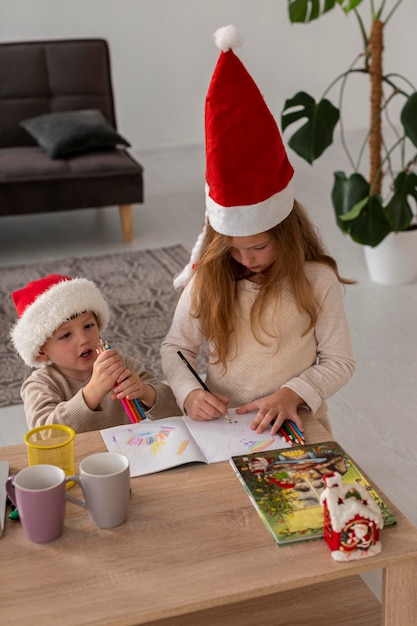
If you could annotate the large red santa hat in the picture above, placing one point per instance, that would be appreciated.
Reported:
(248, 174)
(44, 304)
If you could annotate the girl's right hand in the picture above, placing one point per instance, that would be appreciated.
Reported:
(203, 406)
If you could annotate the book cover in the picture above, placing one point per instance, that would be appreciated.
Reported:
(285, 487)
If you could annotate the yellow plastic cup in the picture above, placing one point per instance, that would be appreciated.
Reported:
(52, 445)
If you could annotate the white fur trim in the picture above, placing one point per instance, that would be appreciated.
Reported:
(183, 277)
(243, 221)
(227, 37)
(51, 309)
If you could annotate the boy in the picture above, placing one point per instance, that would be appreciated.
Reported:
(58, 332)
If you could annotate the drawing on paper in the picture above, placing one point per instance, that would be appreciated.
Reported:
(183, 446)
(258, 446)
(251, 442)
(154, 440)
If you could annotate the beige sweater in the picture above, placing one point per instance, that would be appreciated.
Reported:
(51, 398)
(315, 365)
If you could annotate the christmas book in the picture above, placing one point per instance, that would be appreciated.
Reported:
(285, 487)
(154, 446)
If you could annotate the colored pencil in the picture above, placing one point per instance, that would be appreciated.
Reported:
(289, 432)
(292, 432)
(284, 436)
(133, 408)
(193, 372)
(140, 409)
(128, 411)
(197, 377)
(297, 431)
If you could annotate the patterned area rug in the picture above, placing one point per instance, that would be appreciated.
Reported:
(137, 286)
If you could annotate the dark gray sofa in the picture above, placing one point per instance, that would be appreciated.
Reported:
(43, 77)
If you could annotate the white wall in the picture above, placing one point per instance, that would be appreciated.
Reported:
(163, 54)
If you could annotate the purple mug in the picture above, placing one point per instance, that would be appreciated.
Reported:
(38, 492)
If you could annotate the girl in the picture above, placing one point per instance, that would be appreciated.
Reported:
(270, 306)
(260, 289)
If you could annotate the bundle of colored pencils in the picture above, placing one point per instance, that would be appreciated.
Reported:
(290, 433)
(133, 407)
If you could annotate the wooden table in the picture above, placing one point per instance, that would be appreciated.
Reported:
(194, 552)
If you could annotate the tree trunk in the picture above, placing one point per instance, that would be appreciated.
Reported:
(376, 46)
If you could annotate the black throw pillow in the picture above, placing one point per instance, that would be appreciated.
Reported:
(70, 132)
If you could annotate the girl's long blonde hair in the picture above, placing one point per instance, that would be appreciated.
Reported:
(214, 295)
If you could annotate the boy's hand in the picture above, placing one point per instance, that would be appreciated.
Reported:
(131, 387)
(106, 369)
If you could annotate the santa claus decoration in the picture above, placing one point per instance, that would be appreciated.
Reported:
(352, 519)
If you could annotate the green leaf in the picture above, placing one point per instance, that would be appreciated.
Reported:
(348, 194)
(358, 214)
(305, 11)
(409, 118)
(371, 227)
(355, 211)
(311, 139)
(349, 5)
(398, 210)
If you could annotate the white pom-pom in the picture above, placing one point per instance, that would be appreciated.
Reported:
(184, 277)
(227, 37)
(181, 279)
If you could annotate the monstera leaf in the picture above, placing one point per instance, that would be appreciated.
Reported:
(346, 194)
(371, 226)
(398, 209)
(313, 137)
(308, 10)
(358, 214)
(409, 118)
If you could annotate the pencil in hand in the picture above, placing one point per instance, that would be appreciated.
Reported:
(290, 433)
(133, 408)
(297, 432)
(200, 380)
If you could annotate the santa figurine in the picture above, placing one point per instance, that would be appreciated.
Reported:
(352, 519)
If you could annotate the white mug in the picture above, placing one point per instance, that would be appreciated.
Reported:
(105, 481)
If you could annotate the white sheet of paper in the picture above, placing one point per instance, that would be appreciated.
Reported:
(221, 439)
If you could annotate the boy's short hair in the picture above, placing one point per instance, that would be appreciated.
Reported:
(44, 304)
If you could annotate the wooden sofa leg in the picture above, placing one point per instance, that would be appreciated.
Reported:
(126, 220)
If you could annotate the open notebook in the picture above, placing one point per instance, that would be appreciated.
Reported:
(153, 446)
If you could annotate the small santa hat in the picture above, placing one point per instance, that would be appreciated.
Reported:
(248, 173)
(44, 304)
(333, 479)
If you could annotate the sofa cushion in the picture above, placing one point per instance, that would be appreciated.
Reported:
(71, 132)
(25, 165)
(31, 182)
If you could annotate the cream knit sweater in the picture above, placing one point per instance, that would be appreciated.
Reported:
(315, 365)
(49, 397)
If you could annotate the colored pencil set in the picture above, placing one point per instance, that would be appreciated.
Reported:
(290, 433)
(133, 407)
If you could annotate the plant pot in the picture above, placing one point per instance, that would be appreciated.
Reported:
(394, 260)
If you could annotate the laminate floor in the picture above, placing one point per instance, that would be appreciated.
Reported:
(374, 416)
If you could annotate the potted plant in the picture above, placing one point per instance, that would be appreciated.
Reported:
(366, 209)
